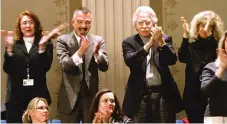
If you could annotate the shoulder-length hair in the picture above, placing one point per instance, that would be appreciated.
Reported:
(95, 103)
(202, 17)
(26, 118)
(18, 35)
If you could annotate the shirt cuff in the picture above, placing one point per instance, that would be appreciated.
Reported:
(76, 59)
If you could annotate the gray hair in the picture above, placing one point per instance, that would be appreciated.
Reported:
(144, 9)
(82, 9)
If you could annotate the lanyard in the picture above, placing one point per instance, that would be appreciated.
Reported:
(28, 71)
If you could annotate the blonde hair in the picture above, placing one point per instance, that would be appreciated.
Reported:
(31, 108)
(144, 9)
(216, 23)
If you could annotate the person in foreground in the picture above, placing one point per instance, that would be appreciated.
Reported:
(81, 55)
(214, 86)
(105, 108)
(151, 93)
(37, 111)
(206, 30)
(28, 57)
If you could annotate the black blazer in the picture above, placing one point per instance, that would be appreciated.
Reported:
(135, 58)
(196, 55)
(15, 66)
(215, 90)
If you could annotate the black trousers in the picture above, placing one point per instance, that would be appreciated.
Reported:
(154, 109)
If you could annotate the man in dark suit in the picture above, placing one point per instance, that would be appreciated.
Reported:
(80, 55)
(151, 90)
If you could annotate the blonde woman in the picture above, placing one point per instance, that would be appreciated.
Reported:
(206, 30)
(37, 111)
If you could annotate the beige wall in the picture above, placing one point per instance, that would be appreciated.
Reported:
(114, 26)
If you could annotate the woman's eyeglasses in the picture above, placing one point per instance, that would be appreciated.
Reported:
(27, 22)
(42, 108)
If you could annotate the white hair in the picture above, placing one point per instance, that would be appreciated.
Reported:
(144, 9)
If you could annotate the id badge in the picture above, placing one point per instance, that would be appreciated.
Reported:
(28, 82)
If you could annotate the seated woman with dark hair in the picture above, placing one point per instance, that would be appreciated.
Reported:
(105, 108)
(37, 111)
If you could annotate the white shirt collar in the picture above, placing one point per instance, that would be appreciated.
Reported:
(29, 39)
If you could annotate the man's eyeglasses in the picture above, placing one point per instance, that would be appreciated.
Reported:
(42, 108)
(147, 23)
(27, 22)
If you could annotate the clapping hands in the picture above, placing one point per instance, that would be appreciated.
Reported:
(185, 26)
(223, 58)
(101, 116)
(55, 32)
(8, 39)
(157, 36)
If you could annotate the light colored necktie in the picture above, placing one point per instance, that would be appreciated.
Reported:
(152, 75)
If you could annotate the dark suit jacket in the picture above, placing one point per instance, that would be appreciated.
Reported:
(135, 58)
(16, 68)
(216, 91)
(72, 75)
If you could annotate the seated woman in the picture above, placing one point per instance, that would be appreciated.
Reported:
(37, 111)
(105, 108)
(214, 86)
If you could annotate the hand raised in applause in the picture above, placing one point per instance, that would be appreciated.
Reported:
(185, 26)
(158, 35)
(223, 58)
(83, 46)
(102, 116)
(55, 32)
(8, 39)
(96, 48)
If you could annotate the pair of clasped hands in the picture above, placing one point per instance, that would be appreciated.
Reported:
(84, 46)
(103, 115)
(9, 41)
(156, 36)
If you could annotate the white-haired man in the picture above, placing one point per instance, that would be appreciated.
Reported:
(151, 91)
